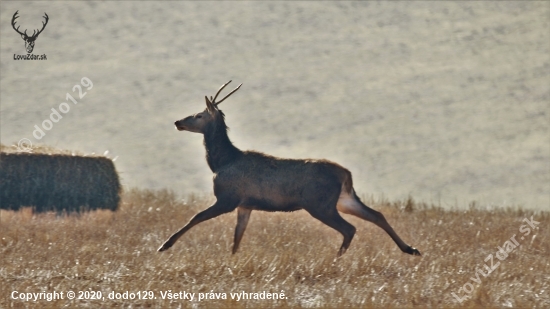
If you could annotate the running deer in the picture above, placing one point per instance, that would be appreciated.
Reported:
(250, 180)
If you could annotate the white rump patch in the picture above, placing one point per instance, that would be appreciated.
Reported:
(348, 204)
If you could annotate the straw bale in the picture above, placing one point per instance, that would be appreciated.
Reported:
(50, 180)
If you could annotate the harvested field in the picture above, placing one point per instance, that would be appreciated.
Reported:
(115, 252)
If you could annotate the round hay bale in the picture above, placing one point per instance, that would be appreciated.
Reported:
(62, 181)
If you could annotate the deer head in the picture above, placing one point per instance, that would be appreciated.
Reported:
(199, 122)
(29, 40)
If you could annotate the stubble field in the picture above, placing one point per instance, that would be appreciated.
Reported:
(289, 253)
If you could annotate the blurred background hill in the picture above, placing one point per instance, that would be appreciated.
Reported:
(447, 102)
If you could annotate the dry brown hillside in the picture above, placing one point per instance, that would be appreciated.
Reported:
(447, 101)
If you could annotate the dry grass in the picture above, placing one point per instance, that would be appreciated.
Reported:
(105, 251)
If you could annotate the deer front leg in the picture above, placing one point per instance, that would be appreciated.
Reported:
(219, 208)
(242, 221)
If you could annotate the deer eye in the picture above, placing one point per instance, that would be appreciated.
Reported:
(199, 116)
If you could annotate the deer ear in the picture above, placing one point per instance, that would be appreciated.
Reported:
(209, 106)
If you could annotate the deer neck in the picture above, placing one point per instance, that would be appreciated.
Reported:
(220, 151)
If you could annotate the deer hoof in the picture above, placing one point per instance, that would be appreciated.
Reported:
(340, 252)
(413, 251)
(164, 247)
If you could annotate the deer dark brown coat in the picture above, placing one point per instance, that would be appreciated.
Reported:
(249, 180)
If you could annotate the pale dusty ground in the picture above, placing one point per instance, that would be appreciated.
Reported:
(445, 101)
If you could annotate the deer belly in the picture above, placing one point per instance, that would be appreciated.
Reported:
(268, 205)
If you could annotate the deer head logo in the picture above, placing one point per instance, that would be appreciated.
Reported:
(29, 40)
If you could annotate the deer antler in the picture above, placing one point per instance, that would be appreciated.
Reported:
(43, 25)
(13, 24)
(34, 33)
(213, 100)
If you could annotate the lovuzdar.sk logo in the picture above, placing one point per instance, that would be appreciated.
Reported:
(29, 39)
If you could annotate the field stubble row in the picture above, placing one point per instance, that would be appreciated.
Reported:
(290, 252)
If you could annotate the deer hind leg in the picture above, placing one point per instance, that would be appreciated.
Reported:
(349, 203)
(218, 208)
(333, 219)
(243, 215)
